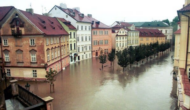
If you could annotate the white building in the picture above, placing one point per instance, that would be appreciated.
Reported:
(83, 25)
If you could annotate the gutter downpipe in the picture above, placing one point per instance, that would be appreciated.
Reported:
(187, 41)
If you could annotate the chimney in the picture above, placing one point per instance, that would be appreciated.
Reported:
(63, 5)
(97, 23)
(30, 10)
(90, 15)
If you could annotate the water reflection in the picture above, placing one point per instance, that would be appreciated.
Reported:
(83, 86)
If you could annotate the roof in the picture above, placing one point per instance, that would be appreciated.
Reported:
(77, 14)
(150, 33)
(48, 25)
(4, 11)
(150, 24)
(186, 8)
(122, 25)
(68, 23)
(178, 31)
(101, 25)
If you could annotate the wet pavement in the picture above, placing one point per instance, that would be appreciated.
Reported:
(83, 86)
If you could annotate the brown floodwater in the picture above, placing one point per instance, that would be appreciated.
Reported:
(83, 86)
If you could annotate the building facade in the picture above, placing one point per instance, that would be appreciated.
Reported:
(72, 38)
(31, 44)
(124, 35)
(83, 25)
(163, 27)
(148, 36)
(101, 37)
(182, 57)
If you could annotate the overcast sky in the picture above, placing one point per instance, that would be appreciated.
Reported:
(108, 11)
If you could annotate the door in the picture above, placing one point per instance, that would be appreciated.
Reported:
(78, 58)
(96, 54)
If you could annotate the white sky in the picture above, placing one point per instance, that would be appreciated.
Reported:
(108, 11)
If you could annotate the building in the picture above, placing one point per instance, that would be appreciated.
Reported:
(72, 38)
(101, 37)
(163, 27)
(148, 36)
(124, 35)
(83, 25)
(177, 47)
(32, 43)
(182, 57)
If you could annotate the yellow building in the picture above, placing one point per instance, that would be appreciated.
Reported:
(182, 57)
(148, 36)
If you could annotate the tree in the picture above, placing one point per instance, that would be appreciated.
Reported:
(123, 59)
(102, 58)
(166, 21)
(131, 53)
(111, 56)
(50, 76)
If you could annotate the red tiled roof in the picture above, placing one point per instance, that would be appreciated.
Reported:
(178, 31)
(48, 25)
(186, 8)
(185, 81)
(77, 16)
(4, 11)
(122, 25)
(101, 25)
(68, 23)
(150, 33)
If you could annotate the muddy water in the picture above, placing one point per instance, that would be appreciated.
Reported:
(84, 86)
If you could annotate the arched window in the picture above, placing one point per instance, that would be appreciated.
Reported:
(33, 55)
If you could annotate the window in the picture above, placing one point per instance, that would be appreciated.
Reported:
(105, 41)
(73, 34)
(146, 38)
(78, 49)
(55, 51)
(95, 42)
(85, 28)
(70, 35)
(33, 56)
(82, 38)
(89, 38)
(34, 72)
(58, 51)
(89, 28)
(141, 39)
(77, 38)
(47, 41)
(81, 27)
(8, 72)
(86, 56)
(105, 51)
(54, 40)
(32, 42)
(94, 33)
(70, 46)
(6, 53)
(74, 46)
(89, 47)
(58, 40)
(48, 57)
(101, 42)
(77, 27)
(19, 55)
(51, 40)
(86, 38)
(62, 50)
(52, 54)
(82, 49)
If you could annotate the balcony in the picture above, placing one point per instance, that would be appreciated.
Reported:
(17, 34)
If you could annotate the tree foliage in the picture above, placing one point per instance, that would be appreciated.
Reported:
(166, 21)
(111, 56)
(123, 58)
(102, 58)
(50, 75)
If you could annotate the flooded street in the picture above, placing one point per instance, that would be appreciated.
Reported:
(83, 86)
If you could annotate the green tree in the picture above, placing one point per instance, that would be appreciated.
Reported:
(111, 56)
(166, 21)
(123, 59)
(102, 58)
(50, 76)
(131, 53)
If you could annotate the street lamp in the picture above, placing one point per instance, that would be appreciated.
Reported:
(27, 86)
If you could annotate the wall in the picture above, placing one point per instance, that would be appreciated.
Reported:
(148, 40)
(97, 48)
(176, 51)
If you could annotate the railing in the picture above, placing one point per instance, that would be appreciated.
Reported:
(28, 99)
